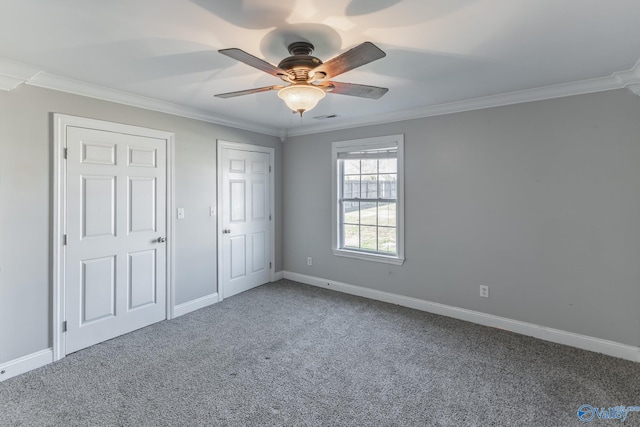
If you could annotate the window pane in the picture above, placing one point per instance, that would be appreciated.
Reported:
(351, 236)
(369, 187)
(351, 167)
(367, 196)
(368, 238)
(351, 187)
(387, 214)
(351, 212)
(388, 165)
(387, 240)
(368, 213)
(369, 166)
(388, 186)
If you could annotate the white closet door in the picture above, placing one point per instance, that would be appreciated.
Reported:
(245, 220)
(115, 256)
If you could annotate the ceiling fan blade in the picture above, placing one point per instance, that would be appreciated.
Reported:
(353, 58)
(247, 92)
(362, 91)
(255, 62)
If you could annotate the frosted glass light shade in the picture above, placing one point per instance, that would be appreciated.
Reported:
(301, 97)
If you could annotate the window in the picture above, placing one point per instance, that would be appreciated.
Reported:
(368, 199)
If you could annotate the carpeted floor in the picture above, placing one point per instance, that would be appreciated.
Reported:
(287, 354)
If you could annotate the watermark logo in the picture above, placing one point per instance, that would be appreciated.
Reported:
(587, 413)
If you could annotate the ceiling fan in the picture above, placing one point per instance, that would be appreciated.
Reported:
(308, 77)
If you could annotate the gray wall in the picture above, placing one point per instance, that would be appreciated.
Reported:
(26, 206)
(539, 201)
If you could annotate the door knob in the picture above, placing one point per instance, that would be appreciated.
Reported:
(226, 231)
(161, 240)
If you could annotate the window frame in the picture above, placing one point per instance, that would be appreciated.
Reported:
(395, 141)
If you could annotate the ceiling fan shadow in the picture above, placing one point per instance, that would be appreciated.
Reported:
(400, 13)
(365, 7)
(139, 60)
(325, 39)
(424, 65)
(250, 14)
(434, 78)
(163, 66)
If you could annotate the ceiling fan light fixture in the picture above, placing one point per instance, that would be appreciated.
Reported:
(301, 97)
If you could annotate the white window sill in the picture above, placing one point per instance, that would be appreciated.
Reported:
(369, 257)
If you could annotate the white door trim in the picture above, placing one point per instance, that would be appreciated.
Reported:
(60, 124)
(272, 227)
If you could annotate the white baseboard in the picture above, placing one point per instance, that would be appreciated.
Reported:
(194, 305)
(25, 364)
(44, 357)
(278, 275)
(585, 342)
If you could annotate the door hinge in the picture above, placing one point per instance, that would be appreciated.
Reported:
(269, 169)
(66, 152)
(269, 217)
(269, 266)
(64, 326)
(64, 240)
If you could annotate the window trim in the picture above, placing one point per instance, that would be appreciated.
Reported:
(367, 144)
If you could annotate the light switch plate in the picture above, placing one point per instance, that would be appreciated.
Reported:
(180, 213)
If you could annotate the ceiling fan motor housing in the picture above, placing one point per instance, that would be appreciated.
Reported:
(300, 62)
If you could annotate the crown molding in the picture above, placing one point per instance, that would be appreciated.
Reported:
(13, 74)
(64, 84)
(635, 89)
(629, 79)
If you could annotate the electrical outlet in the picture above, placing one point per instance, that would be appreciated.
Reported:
(484, 291)
(309, 261)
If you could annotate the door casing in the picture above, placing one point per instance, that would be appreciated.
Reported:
(60, 124)
(244, 147)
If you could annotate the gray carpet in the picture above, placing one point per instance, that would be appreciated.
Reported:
(287, 354)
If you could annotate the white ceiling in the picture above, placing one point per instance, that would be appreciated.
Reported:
(442, 55)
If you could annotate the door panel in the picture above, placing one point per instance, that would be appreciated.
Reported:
(142, 204)
(258, 166)
(142, 157)
(98, 206)
(258, 252)
(245, 220)
(98, 153)
(98, 289)
(142, 278)
(115, 268)
(236, 165)
(258, 205)
(238, 253)
(237, 205)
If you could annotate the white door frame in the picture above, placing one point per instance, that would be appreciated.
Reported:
(272, 227)
(60, 124)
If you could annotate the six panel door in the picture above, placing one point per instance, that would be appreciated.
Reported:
(115, 257)
(245, 220)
